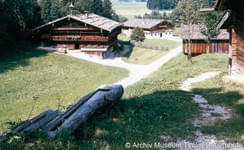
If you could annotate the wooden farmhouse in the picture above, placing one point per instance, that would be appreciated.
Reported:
(153, 28)
(200, 43)
(233, 21)
(89, 33)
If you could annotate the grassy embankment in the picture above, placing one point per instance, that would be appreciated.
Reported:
(141, 55)
(154, 107)
(36, 80)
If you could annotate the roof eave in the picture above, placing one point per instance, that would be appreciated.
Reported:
(73, 17)
(207, 9)
(224, 21)
(51, 22)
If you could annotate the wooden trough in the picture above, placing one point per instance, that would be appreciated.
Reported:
(52, 122)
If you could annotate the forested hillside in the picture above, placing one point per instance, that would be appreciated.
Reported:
(17, 16)
(161, 4)
(169, 4)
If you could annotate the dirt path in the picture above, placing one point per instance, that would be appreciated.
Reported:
(209, 114)
(136, 72)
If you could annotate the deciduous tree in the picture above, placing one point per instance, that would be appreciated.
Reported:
(138, 35)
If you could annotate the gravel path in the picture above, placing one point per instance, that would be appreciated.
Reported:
(136, 72)
(209, 114)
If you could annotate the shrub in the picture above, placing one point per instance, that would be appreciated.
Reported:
(138, 35)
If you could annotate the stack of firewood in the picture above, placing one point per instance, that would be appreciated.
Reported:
(52, 122)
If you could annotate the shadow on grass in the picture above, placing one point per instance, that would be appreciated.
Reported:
(20, 58)
(218, 96)
(139, 119)
(129, 45)
(144, 118)
(231, 130)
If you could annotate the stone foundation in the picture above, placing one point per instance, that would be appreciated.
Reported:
(236, 76)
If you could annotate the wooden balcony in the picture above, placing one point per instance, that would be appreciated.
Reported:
(79, 38)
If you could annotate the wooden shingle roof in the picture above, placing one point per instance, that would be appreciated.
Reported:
(143, 23)
(195, 33)
(223, 35)
(90, 19)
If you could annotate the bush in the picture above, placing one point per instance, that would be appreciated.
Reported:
(138, 35)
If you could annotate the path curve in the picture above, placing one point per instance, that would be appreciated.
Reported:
(136, 72)
(209, 114)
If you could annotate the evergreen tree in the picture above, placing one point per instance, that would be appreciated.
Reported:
(16, 19)
(46, 10)
(97, 7)
(80, 6)
(107, 10)
(161, 4)
(55, 11)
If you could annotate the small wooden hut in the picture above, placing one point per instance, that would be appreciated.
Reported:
(200, 43)
(153, 28)
(233, 21)
(89, 33)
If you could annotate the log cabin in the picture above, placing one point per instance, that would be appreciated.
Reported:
(89, 33)
(200, 43)
(153, 28)
(233, 21)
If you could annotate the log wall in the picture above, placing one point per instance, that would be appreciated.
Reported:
(96, 53)
(219, 46)
(71, 34)
(237, 51)
(201, 46)
(79, 38)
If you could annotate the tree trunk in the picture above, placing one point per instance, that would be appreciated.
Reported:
(50, 115)
(189, 57)
(36, 122)
(60, 119)
(79, 113)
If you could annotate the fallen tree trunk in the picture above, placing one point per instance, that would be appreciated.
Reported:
(103, 96)
(52, 123)
(51, 126)
(42, 121)
(29, 122)
(35, 123)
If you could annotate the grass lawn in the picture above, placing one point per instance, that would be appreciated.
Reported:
(149, 110)
(131, 9)
(140, 55)
(36, 80)
(161, 43)
(144, 56)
